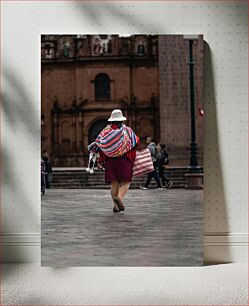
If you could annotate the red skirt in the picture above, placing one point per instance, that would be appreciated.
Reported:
(118, 169)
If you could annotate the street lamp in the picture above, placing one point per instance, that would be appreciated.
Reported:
(193, 168)
(194, 177)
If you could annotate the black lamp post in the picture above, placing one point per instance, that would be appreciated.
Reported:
(193, 168)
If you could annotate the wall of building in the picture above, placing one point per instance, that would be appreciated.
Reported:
(70, 80)
(224, 26)
(174, 83)
(161, 74)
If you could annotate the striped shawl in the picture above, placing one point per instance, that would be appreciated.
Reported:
(115, 142)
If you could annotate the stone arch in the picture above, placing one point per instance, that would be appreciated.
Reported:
(95, 127)
(65, 122)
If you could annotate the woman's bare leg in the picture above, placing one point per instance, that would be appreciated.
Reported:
(114, 191)
(123, 188)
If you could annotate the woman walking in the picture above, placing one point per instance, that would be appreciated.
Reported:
(153, 174)
(48, 169)
(162, 160)
(117, 144)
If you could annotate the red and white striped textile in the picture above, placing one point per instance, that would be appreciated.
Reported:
(142, 163)
(115, 142)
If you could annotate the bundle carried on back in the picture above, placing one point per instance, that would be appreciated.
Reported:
(114, 142)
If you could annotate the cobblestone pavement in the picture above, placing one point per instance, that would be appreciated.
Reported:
(160, 227)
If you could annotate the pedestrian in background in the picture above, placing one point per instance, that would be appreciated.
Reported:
(153, 151)
(162, 161)
(117, 143)
(48, 169)
(43, 180)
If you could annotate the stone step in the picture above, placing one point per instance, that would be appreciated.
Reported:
(102, 182)
(79, 178)
(104, 185)
(101, 178)
(61, 174)
(94, 176)
(79, 186)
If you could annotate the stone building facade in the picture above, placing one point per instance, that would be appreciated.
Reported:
(174, 93)
(84, 77)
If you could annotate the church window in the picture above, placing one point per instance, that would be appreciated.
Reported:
(102, 87)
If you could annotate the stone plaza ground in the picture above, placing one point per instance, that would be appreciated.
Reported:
(159, 227)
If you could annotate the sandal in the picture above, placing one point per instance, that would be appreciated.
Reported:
(119, 203)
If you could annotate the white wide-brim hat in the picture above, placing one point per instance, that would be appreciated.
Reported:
(117, 115)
